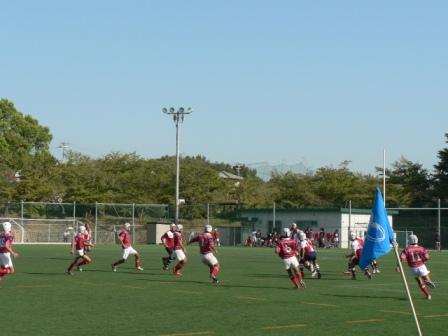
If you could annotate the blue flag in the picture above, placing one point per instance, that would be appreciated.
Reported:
(379, 233)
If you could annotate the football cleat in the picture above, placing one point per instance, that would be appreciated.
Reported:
(79, 268)
(215, 280)
(139, 268)
(313, 275)
(368, 275)
(429, 297)
(177, 273)
(319, 275)
(302, 284)
(430, 284)
(69, 272)
(114, 268)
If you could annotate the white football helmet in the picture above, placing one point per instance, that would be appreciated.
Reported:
(287, 232)
(293, 225)
(127, 226)
(208, 228)
(173, 227)
(180, 227)
(6, 226)
(82, 229)
(352, 235)
(413, 239)
(302, 235)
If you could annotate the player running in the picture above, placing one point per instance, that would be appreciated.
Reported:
(6, 241)
(206, 249)
(356, 245)
(125, 240)
(168, 241)
(288, 249)
(308, 256)
(79, 244)
(416, 256)
(179, 250)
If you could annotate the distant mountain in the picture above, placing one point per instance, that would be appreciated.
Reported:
(265, 170)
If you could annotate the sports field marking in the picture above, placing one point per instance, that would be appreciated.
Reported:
(132, 287)
(190, 333)
(434, 316)
(31, 286)
(365, 321)
(319, 304)
(249, 298)
(395, 312)
(185, 292)
(284, 326)
(94, 284)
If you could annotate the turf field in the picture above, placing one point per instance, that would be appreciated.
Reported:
(254, 297)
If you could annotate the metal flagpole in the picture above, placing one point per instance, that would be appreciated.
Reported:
(407, 288)
(384, 177)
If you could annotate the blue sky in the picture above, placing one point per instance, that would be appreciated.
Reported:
(317, 82)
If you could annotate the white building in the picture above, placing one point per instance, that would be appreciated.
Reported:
(330, 219)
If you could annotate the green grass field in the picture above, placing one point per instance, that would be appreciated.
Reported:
(255, 296)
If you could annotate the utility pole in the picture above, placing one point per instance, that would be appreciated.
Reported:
(178, 117)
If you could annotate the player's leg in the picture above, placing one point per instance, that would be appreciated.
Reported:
(70, 267)
(6, 266)
(428, 281)
(317, 268)
(136, 258)
(84, 260)
(298, 276)
(180, 255)
(423, 288)
(123, 259)
(210, 260)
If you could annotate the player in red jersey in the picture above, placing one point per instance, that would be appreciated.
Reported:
(88, 236)
(288, 249)
(79, 244)
(308, 256)
(206, 249)
(416, 256)
(356, 245)
(217, 237)
(179, 250)
(168, 242)
(125, 240)
(6, 241)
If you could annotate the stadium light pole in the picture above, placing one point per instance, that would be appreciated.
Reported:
(178, 117)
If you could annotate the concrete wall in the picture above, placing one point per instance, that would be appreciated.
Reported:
(155, 232)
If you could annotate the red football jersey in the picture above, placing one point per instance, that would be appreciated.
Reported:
(415, 255)
(168, 241)
(287, 248)
(79, 241)
(125, 238)
(206, 244)
(6, 239)
(178, 241)
(307, 245)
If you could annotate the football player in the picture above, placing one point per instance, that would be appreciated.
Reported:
(127, 248)
(179, 250)
(79, 243)
(288, 249)
(416, 256)
(6, 241)
(308, 256)
(206, 249)
(168, 242)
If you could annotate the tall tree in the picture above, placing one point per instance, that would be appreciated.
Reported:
(22, 141)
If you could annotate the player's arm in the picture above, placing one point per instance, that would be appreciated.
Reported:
(8, 248)
(193, 240)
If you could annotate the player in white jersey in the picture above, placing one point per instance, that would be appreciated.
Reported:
(308, 256)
